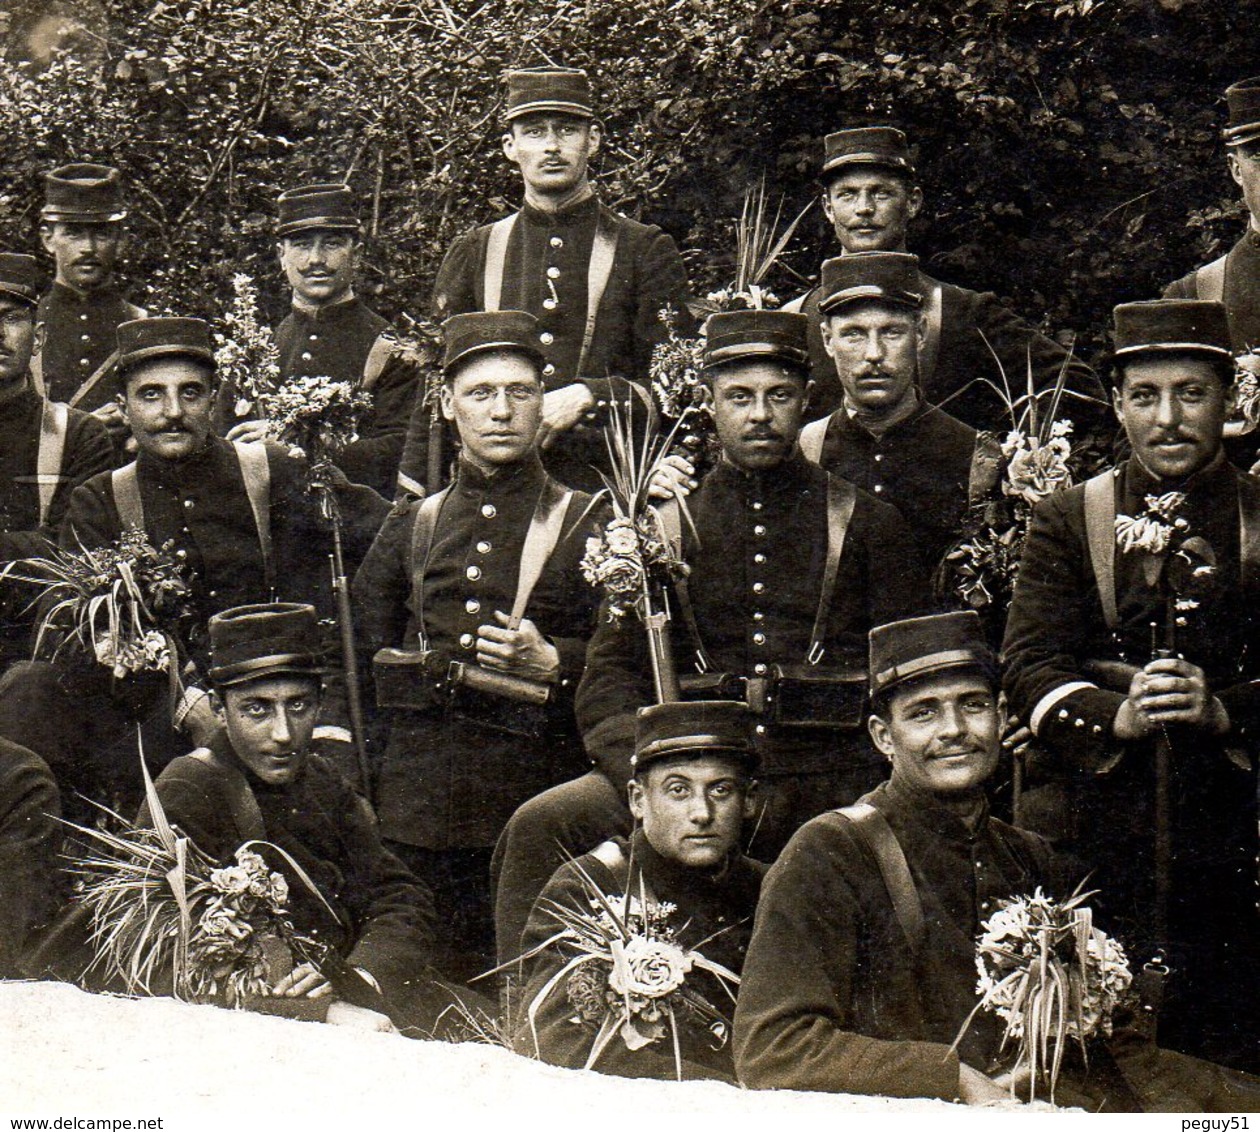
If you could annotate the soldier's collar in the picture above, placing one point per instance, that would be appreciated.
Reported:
(671, 880)
(522, 472)
(1142, 480)
(65, 293)
(790, 475)
(913, 407)
(932, 814)
(587, 201)
(324, 310)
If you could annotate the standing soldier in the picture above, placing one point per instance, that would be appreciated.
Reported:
(81, 228)
(331, 332)
(477, 595)
(870, 195)
(595, 281)
(789, 569)
(1156, 738)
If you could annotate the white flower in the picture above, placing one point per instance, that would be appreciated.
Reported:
(650, 968)
(1141, 534)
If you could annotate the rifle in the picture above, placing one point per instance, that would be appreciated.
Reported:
(350, 660)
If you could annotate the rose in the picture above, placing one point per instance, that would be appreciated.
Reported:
(233, 881)
(620, 575)
(648, 967)
(621, 538)
(1141, 534)
(1037, 470)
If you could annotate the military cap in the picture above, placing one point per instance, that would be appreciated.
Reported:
(19, 277)
(887, 277)
(884, 146)
(732, 336)
(696, 728)
(923, 646)
(479, 331)
(252, 642)
(145, 338)
(316, 206)
(1244, 112)
(548, 90)
(1165, 326)
(83, 194)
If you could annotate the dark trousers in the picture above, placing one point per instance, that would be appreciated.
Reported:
(574, 817)
(460, 882)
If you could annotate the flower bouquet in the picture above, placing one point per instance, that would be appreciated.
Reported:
(246, 358)
(166, 920)
(1246, 414)
(625, 974)
(633, 558)
(124, 606)
(1052, 978)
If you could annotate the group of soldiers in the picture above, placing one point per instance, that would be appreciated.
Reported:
(515, 736)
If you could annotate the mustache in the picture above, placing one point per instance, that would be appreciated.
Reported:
(874, 372)
(1172, 437)
(762, 433)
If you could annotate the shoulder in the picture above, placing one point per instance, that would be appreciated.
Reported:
(949, 428)
(84, 426)
(634, 233)
(1184, 288)
(872, 511)
(23, 774)
(824, 851)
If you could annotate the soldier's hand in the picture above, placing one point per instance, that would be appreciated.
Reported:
(522, 652)
(1016, 738)
(673, 479)
(360, 1017)
(248, 432)
(110, 415)
(562, 409)
(303, 981)
(1169, 690)
(977, 1089)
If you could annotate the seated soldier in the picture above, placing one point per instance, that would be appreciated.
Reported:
(29, 808)
(843, 991)
(691, 792)
(266, 784)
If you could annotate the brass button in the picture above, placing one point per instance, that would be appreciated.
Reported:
(549, 304)
(758, 615)
(759, 530)
(483, 547)
(759, 558)
(489, 510)
(759, 587)
(553, 273)
(467, 640)
(878, 488)
(759, 638)
(548, 370)
(473, 573)
(760, 729)
(87, 338)
(878, 457)
(546, 338)
(556, 242)
(756, 505)
(190, 503)
(306, 355)
(314, 337)
(759, 669)
(472, 605)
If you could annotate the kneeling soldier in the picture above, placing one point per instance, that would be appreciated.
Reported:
(691, 792)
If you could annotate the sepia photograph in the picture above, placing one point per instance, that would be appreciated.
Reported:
(656, 561)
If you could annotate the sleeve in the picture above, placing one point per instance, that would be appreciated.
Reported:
(391, 907)
(413, 468)
(572, 612)
(794, 1019)
(615, 685)
(91, 519)
(29, 839)
(1183, 288)
(897, 581)
(382, 585)
(455, 288)
(193, 800)
(1048, 634)
(374, 458)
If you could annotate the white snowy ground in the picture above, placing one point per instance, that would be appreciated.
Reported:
(70, 1054)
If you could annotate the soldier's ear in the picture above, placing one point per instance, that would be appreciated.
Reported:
(216, 705)
(881, 736)
(509, 146)
(752, 800)
(1117, 398)
(448, 402)
(46, 236)
(41, 335)
(596, 133)
(914, 202)
(706, 394)
(1235, 170)
(634, 795)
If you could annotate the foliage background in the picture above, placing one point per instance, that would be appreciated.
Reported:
(1069, 149)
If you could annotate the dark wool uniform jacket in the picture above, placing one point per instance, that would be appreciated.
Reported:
(447, 779)
(968, 318)
(546, 273)
(921, 465)
(80, 333)
(200, 504)
(29, 840)
(714, 915)
(1241, 291)
(833, 999)
(756, 573)
(335, 342)
(385, 922)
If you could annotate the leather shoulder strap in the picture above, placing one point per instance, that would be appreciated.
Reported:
(134, 311)
(496, 259)
(246, 814)
(1100, 536)
(873, 828)
(377, 359)
(36, 369)
(54, 423)
(986, 465)
(540, 542)
(813, 437)
(613, 858)
(95, 378)
(841, 499)
(125, 484)
(933, 301)
(603, 252)
(1209, 280)
(421, 543)
(256, 473)
(670, 514)
(1249, 533)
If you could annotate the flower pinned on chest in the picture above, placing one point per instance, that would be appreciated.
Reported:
(1179, 563)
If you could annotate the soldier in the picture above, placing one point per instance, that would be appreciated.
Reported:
(239, 516)
(789, 568)
(861, 972)
(481, 583)
(81, 228)
(691, 792)
(596, 281)
(331, 332)
(870, 196)
(885, 437)
(48, 449)
(1139, 681)
(29, 840)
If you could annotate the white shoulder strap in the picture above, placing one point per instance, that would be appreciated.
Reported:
(931, 348)
(378, 357)
(52, 446)
(256, 473)
(540, 542)
(496, 258)
(125, 484)
(812, 438)
(1209, 280)
(603, 252)
(1100, 537)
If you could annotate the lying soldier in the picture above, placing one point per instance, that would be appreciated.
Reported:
(861, 972)
(691, 792)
